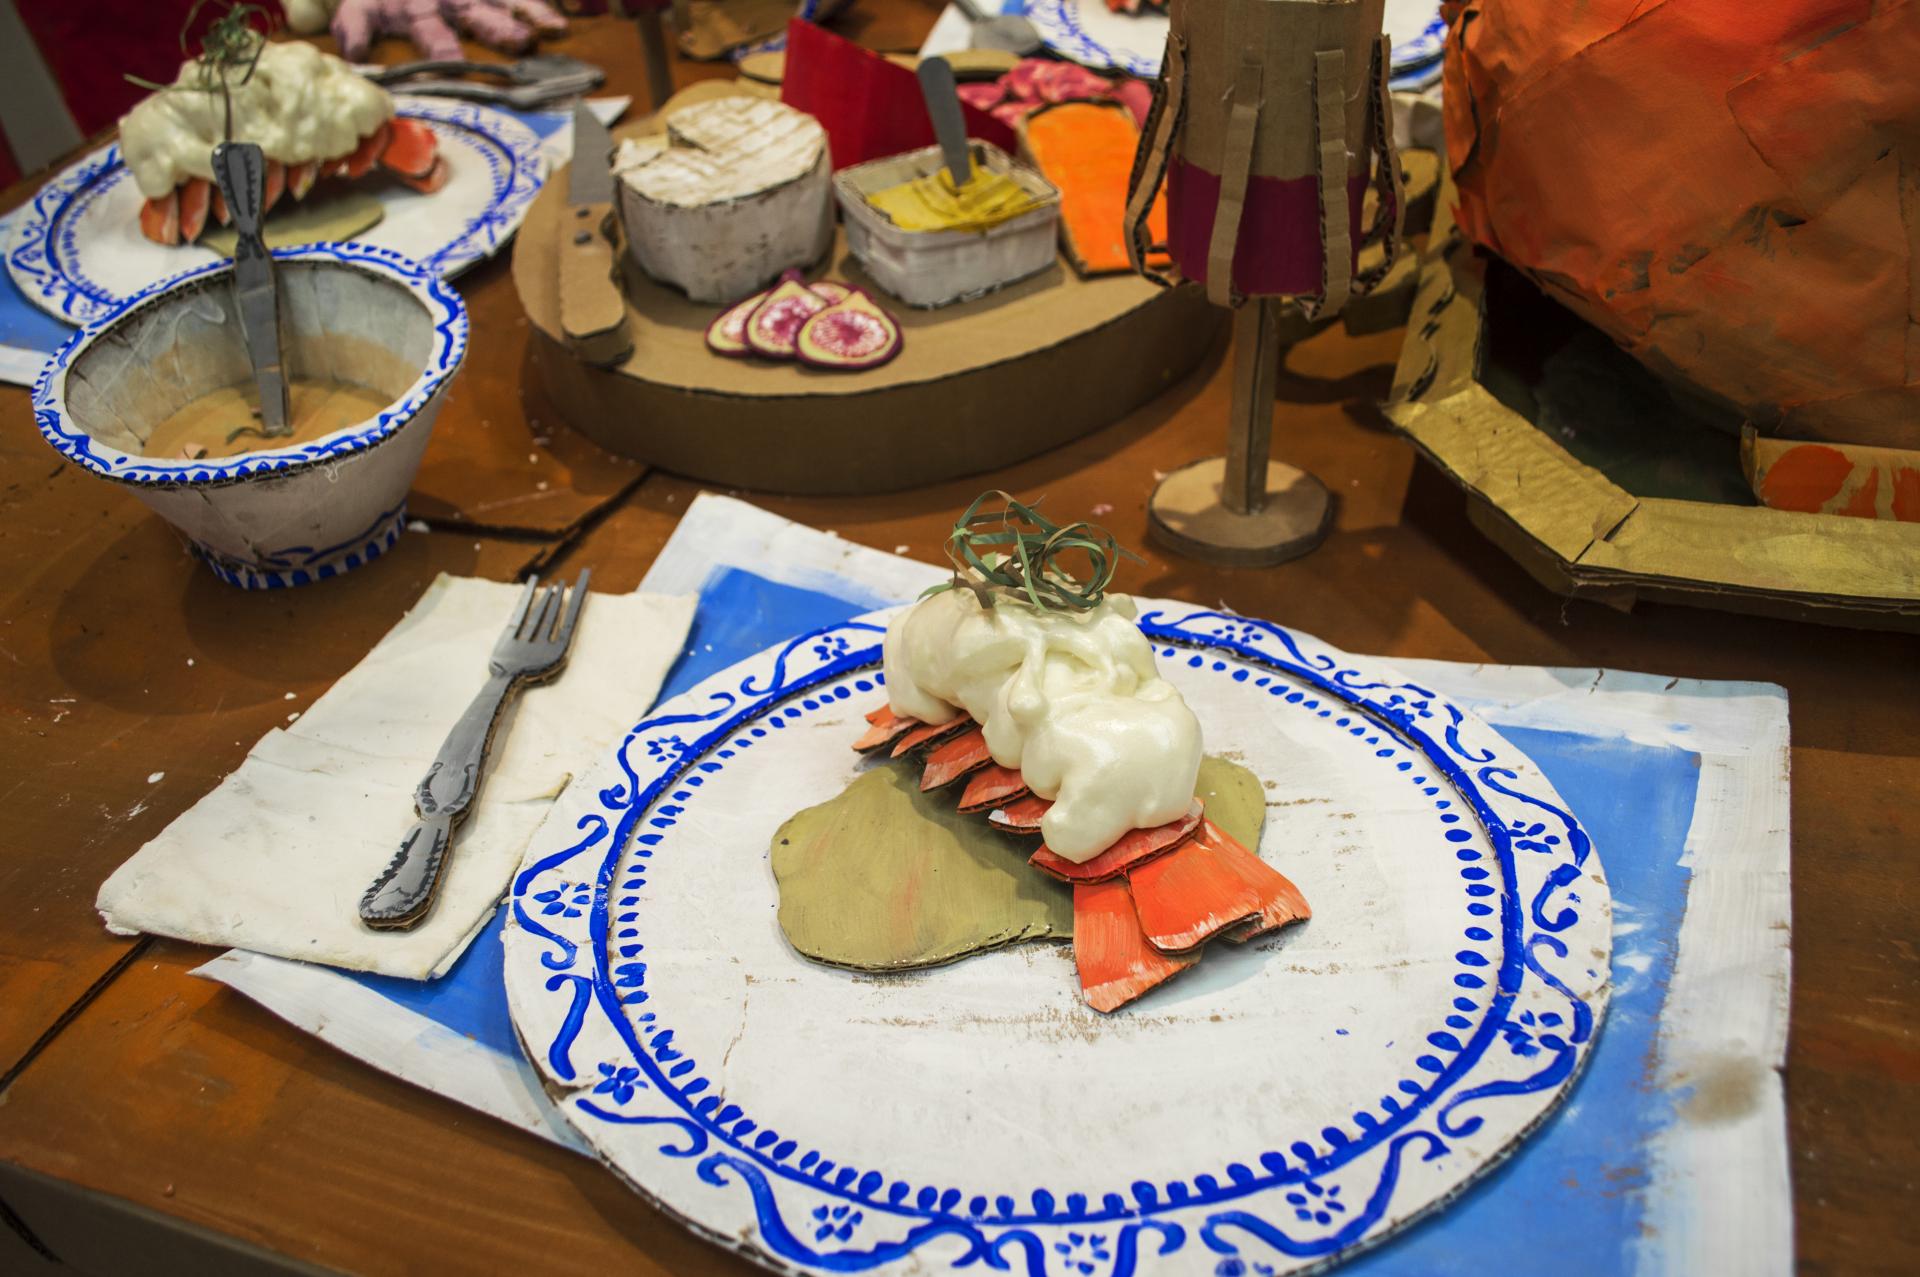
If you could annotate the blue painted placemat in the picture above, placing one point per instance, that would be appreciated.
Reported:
(1674, 778)
(1578, 1181)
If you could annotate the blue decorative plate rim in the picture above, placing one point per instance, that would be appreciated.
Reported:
(37, 268)
(450, 326)
(1058, 22)
(652, 1083)
(1426, 47)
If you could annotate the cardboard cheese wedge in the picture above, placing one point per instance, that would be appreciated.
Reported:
(737, 192)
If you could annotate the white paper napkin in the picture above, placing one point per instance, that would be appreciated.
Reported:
(276, 858)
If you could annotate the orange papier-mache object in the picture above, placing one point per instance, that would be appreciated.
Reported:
(1730, 190)
(1144, 907)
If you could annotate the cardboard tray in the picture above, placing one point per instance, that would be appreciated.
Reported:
(1581, 533)
(978, 385)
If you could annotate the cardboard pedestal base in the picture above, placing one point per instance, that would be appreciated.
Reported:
(977, 385)
(1187, 515)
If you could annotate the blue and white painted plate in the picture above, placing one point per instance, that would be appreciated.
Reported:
(1087, 32)
(1276, 1109)
(77, 251)
(1418, 32)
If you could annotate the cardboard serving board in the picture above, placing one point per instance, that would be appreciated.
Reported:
(1581, 533)
(977, 385)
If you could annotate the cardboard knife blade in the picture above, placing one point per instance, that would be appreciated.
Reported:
(240, 170)
(593, 311)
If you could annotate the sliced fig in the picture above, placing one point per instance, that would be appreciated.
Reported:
(160, 218)
(727, 335)
(195, 201)
(411, 148)
(832, 289)
(851, 334)
(276, 184)
(772, 326)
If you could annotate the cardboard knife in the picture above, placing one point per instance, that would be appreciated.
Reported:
(240, 169)
(593, 311)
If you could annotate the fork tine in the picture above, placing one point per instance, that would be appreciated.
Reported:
(564, 634)
(520, 609)
(532, 631)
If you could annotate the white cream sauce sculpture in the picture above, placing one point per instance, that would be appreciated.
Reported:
(1070, 699)
(300, 105)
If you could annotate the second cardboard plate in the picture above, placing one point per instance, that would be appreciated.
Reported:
(1282, 1105)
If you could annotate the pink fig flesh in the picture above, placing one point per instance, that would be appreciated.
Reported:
(772, 326)
(849, 335)
(727, 335)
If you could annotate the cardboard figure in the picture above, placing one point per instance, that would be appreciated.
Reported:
(1268, 127)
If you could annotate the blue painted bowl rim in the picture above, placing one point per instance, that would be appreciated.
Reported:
(442, 304)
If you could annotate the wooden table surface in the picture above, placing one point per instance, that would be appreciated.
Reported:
(152, 1122)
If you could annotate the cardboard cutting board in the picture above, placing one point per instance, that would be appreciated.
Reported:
(977, 385)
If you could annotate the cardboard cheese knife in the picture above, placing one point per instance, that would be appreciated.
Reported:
(593, 311)
(240, 168)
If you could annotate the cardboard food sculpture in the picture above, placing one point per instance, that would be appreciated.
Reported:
(825, 324)
(929, 242)
(1034, 83)
(159, 396)
(1725, 189)
(317, 120)
(1040, 693)
(1086, 150)
(1268, 128)
(736, 193)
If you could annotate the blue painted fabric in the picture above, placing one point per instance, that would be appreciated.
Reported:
(1578, 1182)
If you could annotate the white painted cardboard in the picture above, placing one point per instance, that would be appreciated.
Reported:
(1316, 1091)
(276, 858)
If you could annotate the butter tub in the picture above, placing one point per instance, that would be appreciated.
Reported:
(937, 268)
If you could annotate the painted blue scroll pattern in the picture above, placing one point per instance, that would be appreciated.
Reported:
(450, 329)
(1276, 1211)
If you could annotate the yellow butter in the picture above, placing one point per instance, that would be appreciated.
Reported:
(934, 203)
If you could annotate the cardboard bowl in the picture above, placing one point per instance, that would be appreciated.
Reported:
(281, 516)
